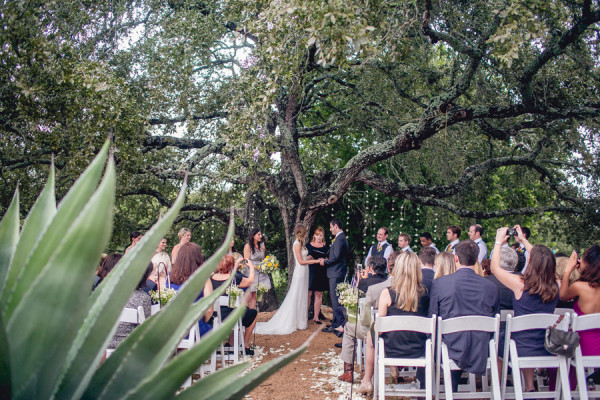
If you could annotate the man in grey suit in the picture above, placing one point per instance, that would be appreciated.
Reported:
(336, 271)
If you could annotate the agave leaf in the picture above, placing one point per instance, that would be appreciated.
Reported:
(166, 381)
(9, 236)
(215, 380)
(235, 389)
(104, 307)
(35, 224)
(47, 319)
(18, 282)
(114, 378)
(5, 374)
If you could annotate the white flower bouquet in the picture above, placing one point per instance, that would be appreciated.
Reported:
(260, 291)
(348, 297)
(234, 292)
(164, 296)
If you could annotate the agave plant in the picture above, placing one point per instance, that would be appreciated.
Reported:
(53, 333)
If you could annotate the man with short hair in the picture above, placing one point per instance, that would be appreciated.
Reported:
(382, 248)
(378, 269)
(404, 242)
(427, 241)
(452, 234)
(475, 233)
(427, 256)
(465, 293)
(364, 322)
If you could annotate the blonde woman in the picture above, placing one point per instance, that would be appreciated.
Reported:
(444, 264)
(292, 315)
(185, 235)
(406, 296)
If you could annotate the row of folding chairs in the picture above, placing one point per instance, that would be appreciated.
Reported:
(438, 364)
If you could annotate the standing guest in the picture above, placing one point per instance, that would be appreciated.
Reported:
(224, 270)
(134, 237)
(137, 298)
(452, 234)
(534, 292)
(460, 294)
(161, 264)
(107, 265)
(254, 250)
(406, 296)
(475, 233)
(586, 291)
(185, 235)
(404, 242)
(382, 248)
(336, 271)
(317, 275)
(427, 241)
(444, 264)
(427, 258)
(189, 259)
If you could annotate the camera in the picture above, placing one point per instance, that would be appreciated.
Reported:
(511, 232)
(244, 261)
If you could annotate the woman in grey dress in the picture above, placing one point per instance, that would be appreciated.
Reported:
(254, 250)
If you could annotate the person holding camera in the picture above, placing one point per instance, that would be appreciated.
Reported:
(374, 273)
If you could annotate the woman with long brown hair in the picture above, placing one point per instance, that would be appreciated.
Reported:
(534, 292)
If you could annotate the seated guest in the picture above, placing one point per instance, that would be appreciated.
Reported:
(427, 258)
(406, 296)
(107, 265)
(508, 262)
(224, 270)
(377, 267)
(457, 295)
(586, 291)
(534, 292)
(189, 259)
(137, 298)
(561, 265)
(444, 264)
(485, 265)
(371, 300)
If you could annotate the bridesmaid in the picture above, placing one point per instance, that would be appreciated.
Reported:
(254, 250)
(185, 235)
(317, 278)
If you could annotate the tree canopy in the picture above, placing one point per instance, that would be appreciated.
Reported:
(452, 112)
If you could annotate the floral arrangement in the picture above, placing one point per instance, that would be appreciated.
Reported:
(234, 292)
(348, 297)
(260, 290)
(166, 295)
(269, 264)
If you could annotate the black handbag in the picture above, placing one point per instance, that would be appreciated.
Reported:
(559, 342)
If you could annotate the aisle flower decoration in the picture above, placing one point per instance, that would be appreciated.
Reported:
(268, 265)
(165, 295)
(348, 297)
(261, 289)
(234, 292)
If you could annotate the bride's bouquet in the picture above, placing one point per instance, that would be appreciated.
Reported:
(348, 297)
(268, 265)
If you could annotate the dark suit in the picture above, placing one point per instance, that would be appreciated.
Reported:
(505, 295)
(336, 271)
(459, 294)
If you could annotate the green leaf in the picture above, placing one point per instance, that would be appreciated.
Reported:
(166, 381)
(35, 224)
(5, 374)
(116, 374)
(18, 282)
(9, 237)
(235, 389)
(104, 307)
(48, 317)
(213, 382)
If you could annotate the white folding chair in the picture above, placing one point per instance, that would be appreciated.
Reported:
(403, 323)
(131, 316)
(187, 343)
(233, 353)
(476, 323)
(516, 362)
(583, 363)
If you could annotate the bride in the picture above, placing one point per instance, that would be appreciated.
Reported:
(292, 314)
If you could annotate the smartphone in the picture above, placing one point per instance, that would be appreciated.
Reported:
(359, 267)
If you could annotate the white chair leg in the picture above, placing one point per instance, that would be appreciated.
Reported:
(580, 372)
(563, 370)
(447, 375)
(516, 371)
(495, 381)
(428, 374)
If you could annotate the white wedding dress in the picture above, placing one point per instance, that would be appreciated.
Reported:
(293, 313)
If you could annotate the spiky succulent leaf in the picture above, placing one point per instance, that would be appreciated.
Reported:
(9, 237)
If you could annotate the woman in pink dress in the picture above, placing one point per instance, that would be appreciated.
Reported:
(587, 291)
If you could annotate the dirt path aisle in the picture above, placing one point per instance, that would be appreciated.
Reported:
(311, 376)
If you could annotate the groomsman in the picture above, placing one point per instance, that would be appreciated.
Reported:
(452, 234)
(404, 242)
(427, 241)
(336, 271)
(475, 232)
(382, 248)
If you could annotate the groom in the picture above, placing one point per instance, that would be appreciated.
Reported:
(336, 271)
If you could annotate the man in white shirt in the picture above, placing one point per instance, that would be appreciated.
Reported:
(475, 232)
(404, 242)
(427, 241)
(452, 234)
(382, 248)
